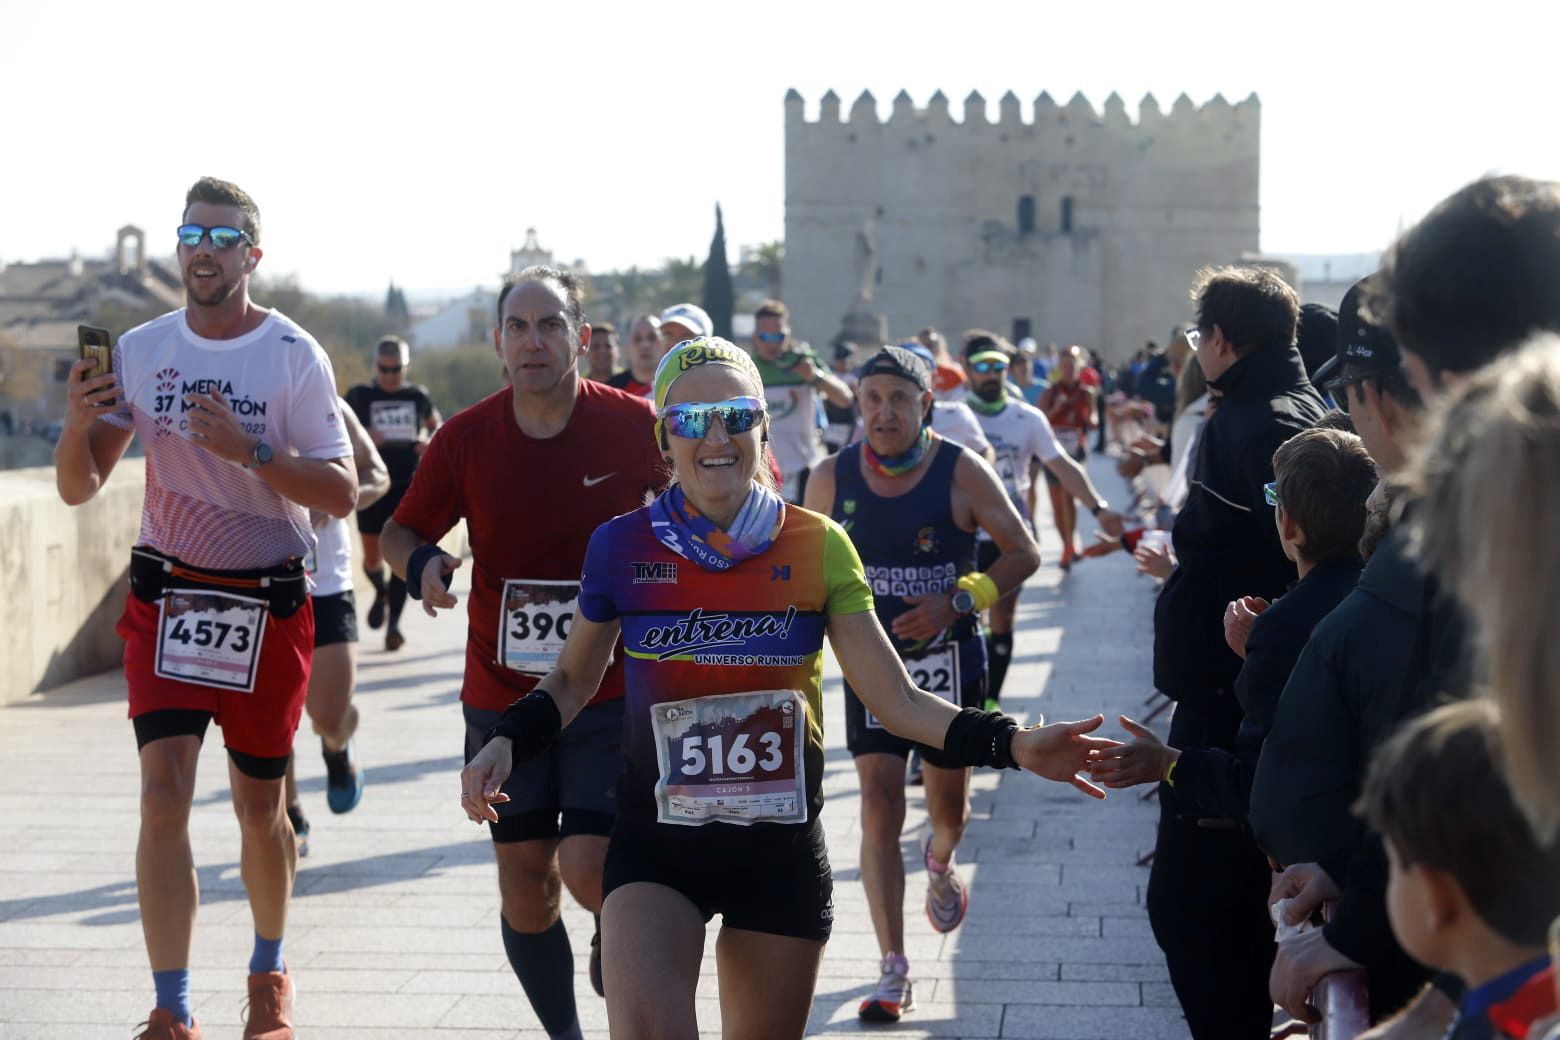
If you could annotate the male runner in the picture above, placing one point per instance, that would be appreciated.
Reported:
(643, 353)
(398, 414)
(601, 361)
(911, 503)
(794, 378)
(334, 671)
(1023, 441)
(236, 408)
(1068, 404)
(533, 470)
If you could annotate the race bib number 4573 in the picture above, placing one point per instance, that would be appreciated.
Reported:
(533, 623)
(210, 638)
(736, 757)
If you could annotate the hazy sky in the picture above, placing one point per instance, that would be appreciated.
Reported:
(418, 141)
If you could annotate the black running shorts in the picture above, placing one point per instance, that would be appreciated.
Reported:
(569, 789)
(768, 877)
(335, 619)
(372, 520)
(865, 735)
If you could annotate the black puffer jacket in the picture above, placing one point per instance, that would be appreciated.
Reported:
(1225, 542)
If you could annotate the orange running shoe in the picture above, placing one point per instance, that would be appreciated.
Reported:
(161, 1025)
(270, 1011)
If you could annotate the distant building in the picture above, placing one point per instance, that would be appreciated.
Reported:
(1076, 225)
(471, 318)
(41, 303)
(1325, 277)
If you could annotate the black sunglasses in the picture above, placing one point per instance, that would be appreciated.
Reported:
(389, 369)
(222, 237)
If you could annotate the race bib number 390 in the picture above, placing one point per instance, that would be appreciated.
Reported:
(533, 623)
(937, 673)
(210, 638)
(735, 757)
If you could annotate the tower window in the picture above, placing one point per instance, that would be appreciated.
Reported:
(1067, 214)
(1026, 214)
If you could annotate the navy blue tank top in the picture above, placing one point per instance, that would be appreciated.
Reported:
(909, 544)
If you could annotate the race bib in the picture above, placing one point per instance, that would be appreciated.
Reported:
(395, 421)
(533, 623)
(210, 638)
(937, 673)
(735, 757)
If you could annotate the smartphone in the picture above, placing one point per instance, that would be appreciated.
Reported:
(93, 343)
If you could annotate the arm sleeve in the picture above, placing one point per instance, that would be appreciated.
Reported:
(596, 601)
(432, 504)
(1042, 439)
(314, 423)
(843, 574)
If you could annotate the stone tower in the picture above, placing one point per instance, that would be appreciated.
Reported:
(1076, 225)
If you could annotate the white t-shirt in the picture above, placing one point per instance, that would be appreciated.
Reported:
(1018, 433)
(331, 565)
(794, 436)
(202, 509)
(1183, 438)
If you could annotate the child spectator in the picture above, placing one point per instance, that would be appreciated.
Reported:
(1471, 888)
(1324, 478)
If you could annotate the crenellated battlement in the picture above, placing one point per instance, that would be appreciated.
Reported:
(1043, 112)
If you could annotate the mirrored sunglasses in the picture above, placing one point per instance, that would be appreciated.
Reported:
(985, 367)
(692, 419)
(1270, 492)
(222, 237)
(771, 337)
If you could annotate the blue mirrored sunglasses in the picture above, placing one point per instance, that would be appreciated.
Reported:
(772, 337)
(1270, 492)
(692, 419)
(986, 367)
(222, 237)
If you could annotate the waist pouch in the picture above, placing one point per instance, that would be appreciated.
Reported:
(284, 588)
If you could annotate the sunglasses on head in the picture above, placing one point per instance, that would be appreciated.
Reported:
(771, 337)
(222, 237)
(1270, 493)
(692, 419)
(986, 367)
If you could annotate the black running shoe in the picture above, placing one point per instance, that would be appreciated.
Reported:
(300, 826)
(376, 613)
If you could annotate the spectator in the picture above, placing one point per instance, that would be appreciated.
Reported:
(1471, 886)
(1204, 869)
(1317, 337)
(947, 377)
(1323, 478)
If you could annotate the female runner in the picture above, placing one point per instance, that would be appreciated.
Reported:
(723, 594)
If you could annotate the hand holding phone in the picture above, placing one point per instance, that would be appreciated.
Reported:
(93, 344)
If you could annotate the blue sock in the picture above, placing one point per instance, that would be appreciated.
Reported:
(173, 992)
(267, 955)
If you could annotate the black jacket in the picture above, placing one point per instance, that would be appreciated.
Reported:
(1225, 542)
(1220, 781)
(1393, 648)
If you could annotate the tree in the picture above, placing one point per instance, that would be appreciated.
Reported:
(719, 299)
(682, 281)
(395, 305)
(761, 266)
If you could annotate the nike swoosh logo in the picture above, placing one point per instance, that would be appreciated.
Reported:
(592, 483)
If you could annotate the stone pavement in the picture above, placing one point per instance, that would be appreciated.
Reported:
(395, 933)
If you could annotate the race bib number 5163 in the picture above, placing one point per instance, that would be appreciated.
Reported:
(736, 757)
(533, 623)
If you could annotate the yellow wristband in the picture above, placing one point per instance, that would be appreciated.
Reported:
(980, 586)
(1170, 773)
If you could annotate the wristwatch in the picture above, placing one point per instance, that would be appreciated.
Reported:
(1100, 507)
(963, 601)
(260, 456)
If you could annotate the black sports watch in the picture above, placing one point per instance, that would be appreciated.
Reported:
(963, 601)
(1100, 507)
(260, 456)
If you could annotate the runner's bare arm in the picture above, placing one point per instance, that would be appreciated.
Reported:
(329, 485)
(372, 475)
(397, 542)
(820, 487)
(1057, 752)
(993, 512)
(87, 449)
(571, 684)
(1078, 484)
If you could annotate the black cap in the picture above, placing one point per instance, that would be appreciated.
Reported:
(1361, 342)
(897, 361)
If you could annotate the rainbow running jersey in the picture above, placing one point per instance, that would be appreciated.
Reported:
(723, 670)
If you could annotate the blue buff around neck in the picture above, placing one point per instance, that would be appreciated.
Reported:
(173, 992)
(267, 955)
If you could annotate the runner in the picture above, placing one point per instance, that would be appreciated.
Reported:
(796, 383)
(911, 503)
(1024, 442)
(601, 359)
(644, 353)
(723, 594)
(236, 408)
(1068, 403)
(533, 469)
(398, 415)
(334, 670)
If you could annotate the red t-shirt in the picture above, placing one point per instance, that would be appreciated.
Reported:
(1090, 377)
(530, 508)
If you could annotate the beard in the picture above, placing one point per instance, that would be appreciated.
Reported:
(211, 293)
(991, 393)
